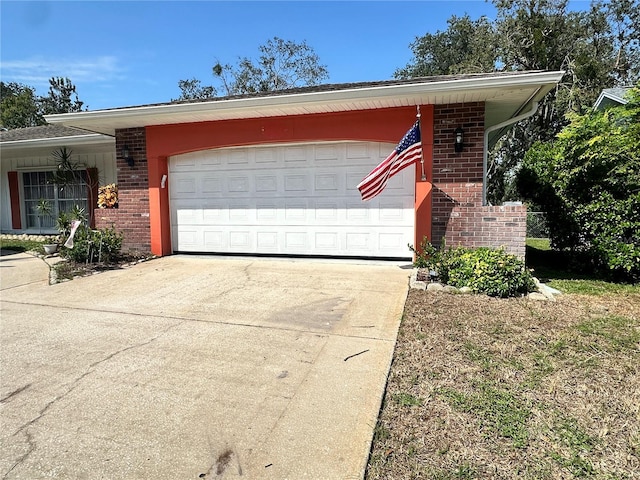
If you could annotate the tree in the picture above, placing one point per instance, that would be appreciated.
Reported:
(588, 182)
(22, 108)
(62, 97)
(467, 46)
(194, 90)
(597, 48)
(19, 106)
(624, 20)
(282, 64)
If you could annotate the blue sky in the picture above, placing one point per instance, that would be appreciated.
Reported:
(121, 53)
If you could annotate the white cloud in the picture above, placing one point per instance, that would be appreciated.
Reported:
(37, 71)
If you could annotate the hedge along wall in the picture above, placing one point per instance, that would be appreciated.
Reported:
(132, 215)
(458, 214)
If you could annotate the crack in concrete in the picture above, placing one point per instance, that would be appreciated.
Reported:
(245, 270)
(71, 387)
(14, 393)
(6, 289)
(32, 447)
(241, 283)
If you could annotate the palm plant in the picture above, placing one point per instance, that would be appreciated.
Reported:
(44, 209)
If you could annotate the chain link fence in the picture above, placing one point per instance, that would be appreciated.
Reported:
(537, 225)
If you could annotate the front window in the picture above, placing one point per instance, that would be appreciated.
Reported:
(62, 198)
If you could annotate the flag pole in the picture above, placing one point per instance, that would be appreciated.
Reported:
(418, 115)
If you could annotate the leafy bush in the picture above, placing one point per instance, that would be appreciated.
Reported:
(426, 256)
(485, 270)
(493, 272)
(588, 183)
(94, 245)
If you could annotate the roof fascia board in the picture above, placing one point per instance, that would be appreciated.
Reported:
(353, 94)
(93, 139)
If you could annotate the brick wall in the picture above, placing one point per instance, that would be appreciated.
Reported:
(458, 215)
(132, 215)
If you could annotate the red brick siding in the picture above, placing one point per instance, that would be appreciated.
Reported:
(458, 215)
(132, 215)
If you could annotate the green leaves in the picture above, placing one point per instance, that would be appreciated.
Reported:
(588, 182)
(484, 270)
(21, 107)
(94, 245)
(281, 64)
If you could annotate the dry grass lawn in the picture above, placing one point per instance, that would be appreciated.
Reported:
(512, 388)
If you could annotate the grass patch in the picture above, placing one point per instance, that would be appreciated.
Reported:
(538, 243)
(611, 333)
(406, 399)
(559, 271)
(512, 389)
(593, 287)
(577, 445)
(21, 245)
(498, 411)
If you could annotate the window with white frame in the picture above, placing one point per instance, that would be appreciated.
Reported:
(39, 186)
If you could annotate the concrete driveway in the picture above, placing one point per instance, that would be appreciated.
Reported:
(195, 367)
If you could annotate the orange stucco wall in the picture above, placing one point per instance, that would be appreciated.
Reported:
(381, 125)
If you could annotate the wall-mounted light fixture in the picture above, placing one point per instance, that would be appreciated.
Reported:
(126, 156)
(459, 140)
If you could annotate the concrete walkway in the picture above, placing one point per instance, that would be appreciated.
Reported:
(196, 367)
(17, 269)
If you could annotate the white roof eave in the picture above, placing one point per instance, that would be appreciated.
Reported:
(75, 140)
(438, 92)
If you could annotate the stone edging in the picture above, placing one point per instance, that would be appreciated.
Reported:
(544, 291)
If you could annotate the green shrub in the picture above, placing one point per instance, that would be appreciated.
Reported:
(493, 272)
(426, 255)
(94, 245)
(588, 182)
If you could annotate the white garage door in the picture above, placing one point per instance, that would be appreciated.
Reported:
(293, 199)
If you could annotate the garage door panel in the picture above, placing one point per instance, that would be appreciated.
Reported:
(328, 154)
(327, 242)
(238, 184)
(266, 184)
(326, 212)
(296, 184)
(358, 151)
(210, 186)
(326, 182)
(240, 240)
(214, 214)
(289, 199)
(266, 157)
(296, 155)
(267, 212)
(189, 238)
(267, 242)
(214, 240)
(235, 156)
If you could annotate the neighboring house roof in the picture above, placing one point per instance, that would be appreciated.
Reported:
(611, 97)
(506, 95)
(49, 135)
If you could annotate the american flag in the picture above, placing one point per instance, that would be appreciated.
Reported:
(408, 151)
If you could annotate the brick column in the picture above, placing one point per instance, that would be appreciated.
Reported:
(132, 215)
(458, 214)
